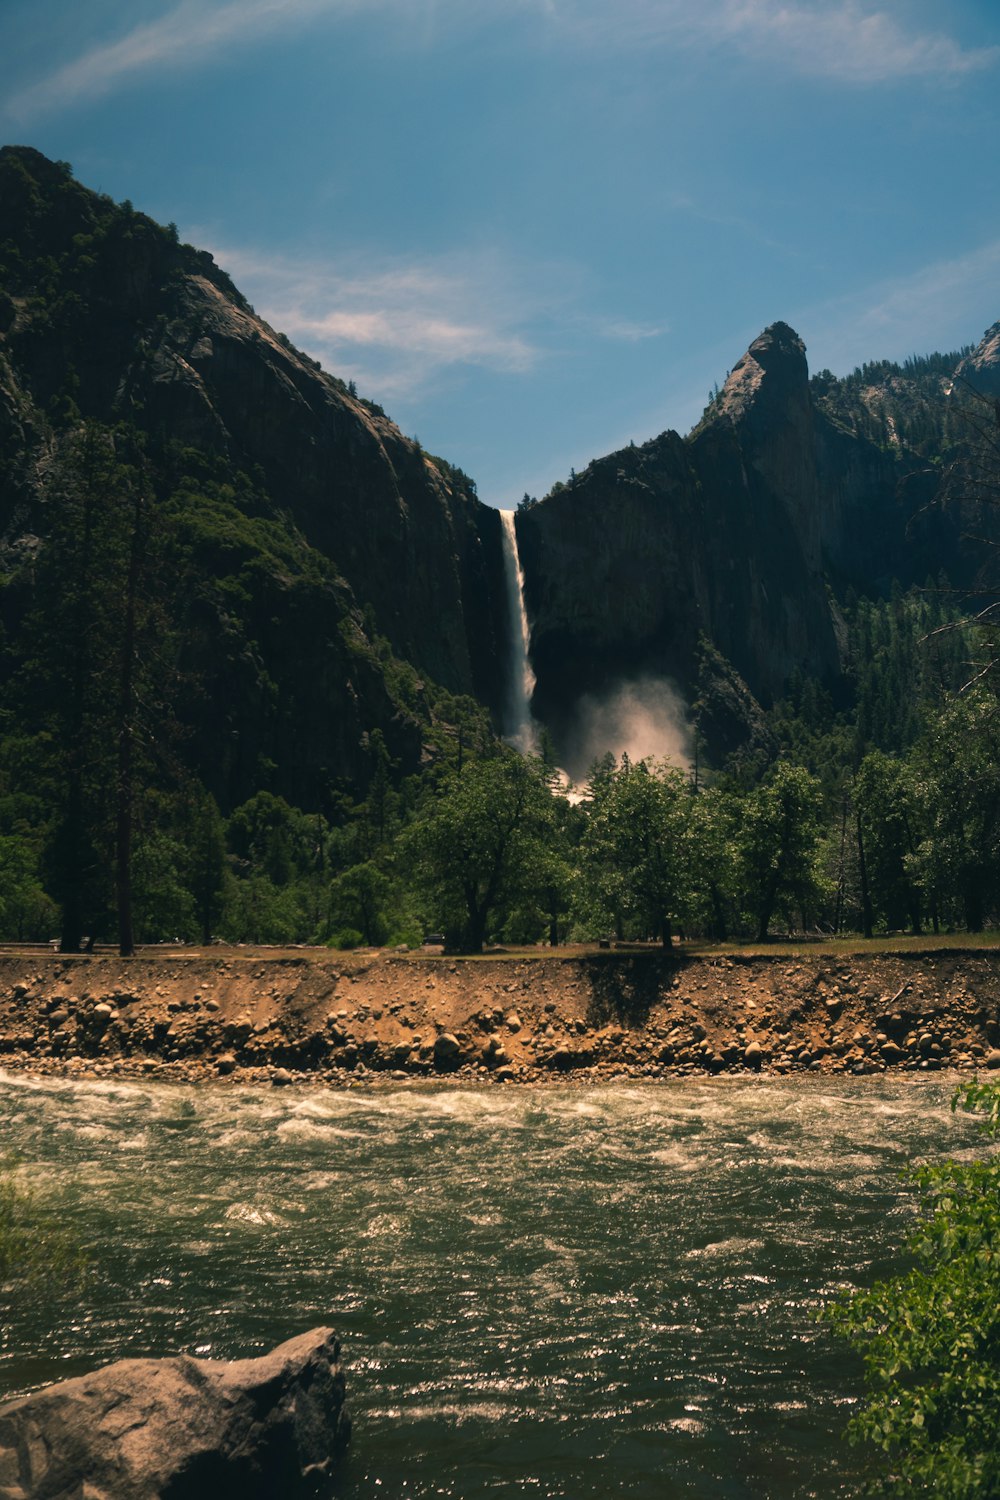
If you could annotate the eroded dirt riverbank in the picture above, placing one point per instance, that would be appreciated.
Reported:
(274, 1015)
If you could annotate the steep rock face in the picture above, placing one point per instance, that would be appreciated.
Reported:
(104, 308)
(717, 535)
(766, 398)
(787, 489)
(148, 1429)
(399, 530)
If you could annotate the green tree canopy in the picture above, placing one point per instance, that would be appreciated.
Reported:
(778, 844)
(474, 846)
(956, 769)
(888, 825)
(634, 849)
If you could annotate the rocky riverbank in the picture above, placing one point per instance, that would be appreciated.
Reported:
(284, 1016)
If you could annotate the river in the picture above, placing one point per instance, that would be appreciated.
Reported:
(558, 1292)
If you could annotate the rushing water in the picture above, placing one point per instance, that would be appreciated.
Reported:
(565, 1292)
(519, 726)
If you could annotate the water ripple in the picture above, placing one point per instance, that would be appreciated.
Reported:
(582, 1292)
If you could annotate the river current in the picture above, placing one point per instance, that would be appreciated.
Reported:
(558, 1292)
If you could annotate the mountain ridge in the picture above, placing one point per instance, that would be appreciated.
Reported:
(791, 490)
(105, 316)
(739, 532)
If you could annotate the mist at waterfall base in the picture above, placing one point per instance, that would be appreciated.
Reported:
(643, 718)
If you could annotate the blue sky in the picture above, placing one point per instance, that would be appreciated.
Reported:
(535, 229)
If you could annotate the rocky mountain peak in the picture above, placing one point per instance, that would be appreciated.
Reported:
(773, 370)
(778, 344)
(767, 405)
(982, 367)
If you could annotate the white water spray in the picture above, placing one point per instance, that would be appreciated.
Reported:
(520, 729)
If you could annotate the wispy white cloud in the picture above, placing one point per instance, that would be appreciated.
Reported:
(940, 306)
(847, 40)
(625, 331)
(713, 213)
(189, 34)
(393, 328)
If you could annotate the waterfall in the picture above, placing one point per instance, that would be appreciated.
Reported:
(519, 727)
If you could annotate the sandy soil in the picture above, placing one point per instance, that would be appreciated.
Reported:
(286, 1015)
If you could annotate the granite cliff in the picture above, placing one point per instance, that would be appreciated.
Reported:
(981, 367)
(104, 316)
(743, 533)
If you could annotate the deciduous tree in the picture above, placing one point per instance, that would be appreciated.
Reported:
(474, 844)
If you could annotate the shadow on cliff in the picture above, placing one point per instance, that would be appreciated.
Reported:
(626, 988)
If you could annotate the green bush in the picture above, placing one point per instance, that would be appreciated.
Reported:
(930, 1336)
(410, 933)
(347, 937)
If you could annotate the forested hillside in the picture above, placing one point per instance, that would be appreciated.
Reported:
(215, 565)
(285, 482)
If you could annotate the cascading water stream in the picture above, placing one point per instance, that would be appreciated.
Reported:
(519, 726)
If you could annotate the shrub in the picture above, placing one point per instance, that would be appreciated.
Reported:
(347, 937)
(930, 1336)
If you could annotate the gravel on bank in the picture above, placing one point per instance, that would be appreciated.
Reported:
(291, 1016)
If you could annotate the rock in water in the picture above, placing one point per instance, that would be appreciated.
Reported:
(182, 1429)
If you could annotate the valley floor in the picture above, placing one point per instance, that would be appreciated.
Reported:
(308, 1015)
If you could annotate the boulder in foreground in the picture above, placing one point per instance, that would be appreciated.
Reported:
(182, 1429)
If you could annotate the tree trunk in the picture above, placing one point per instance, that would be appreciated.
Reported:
(841, 877)
(475, 927)
(475, 934)
(126, 744)
(866, 895)
(766, 908)
(73, 839)
(718, 912)
(71, 926)
(972, 901)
